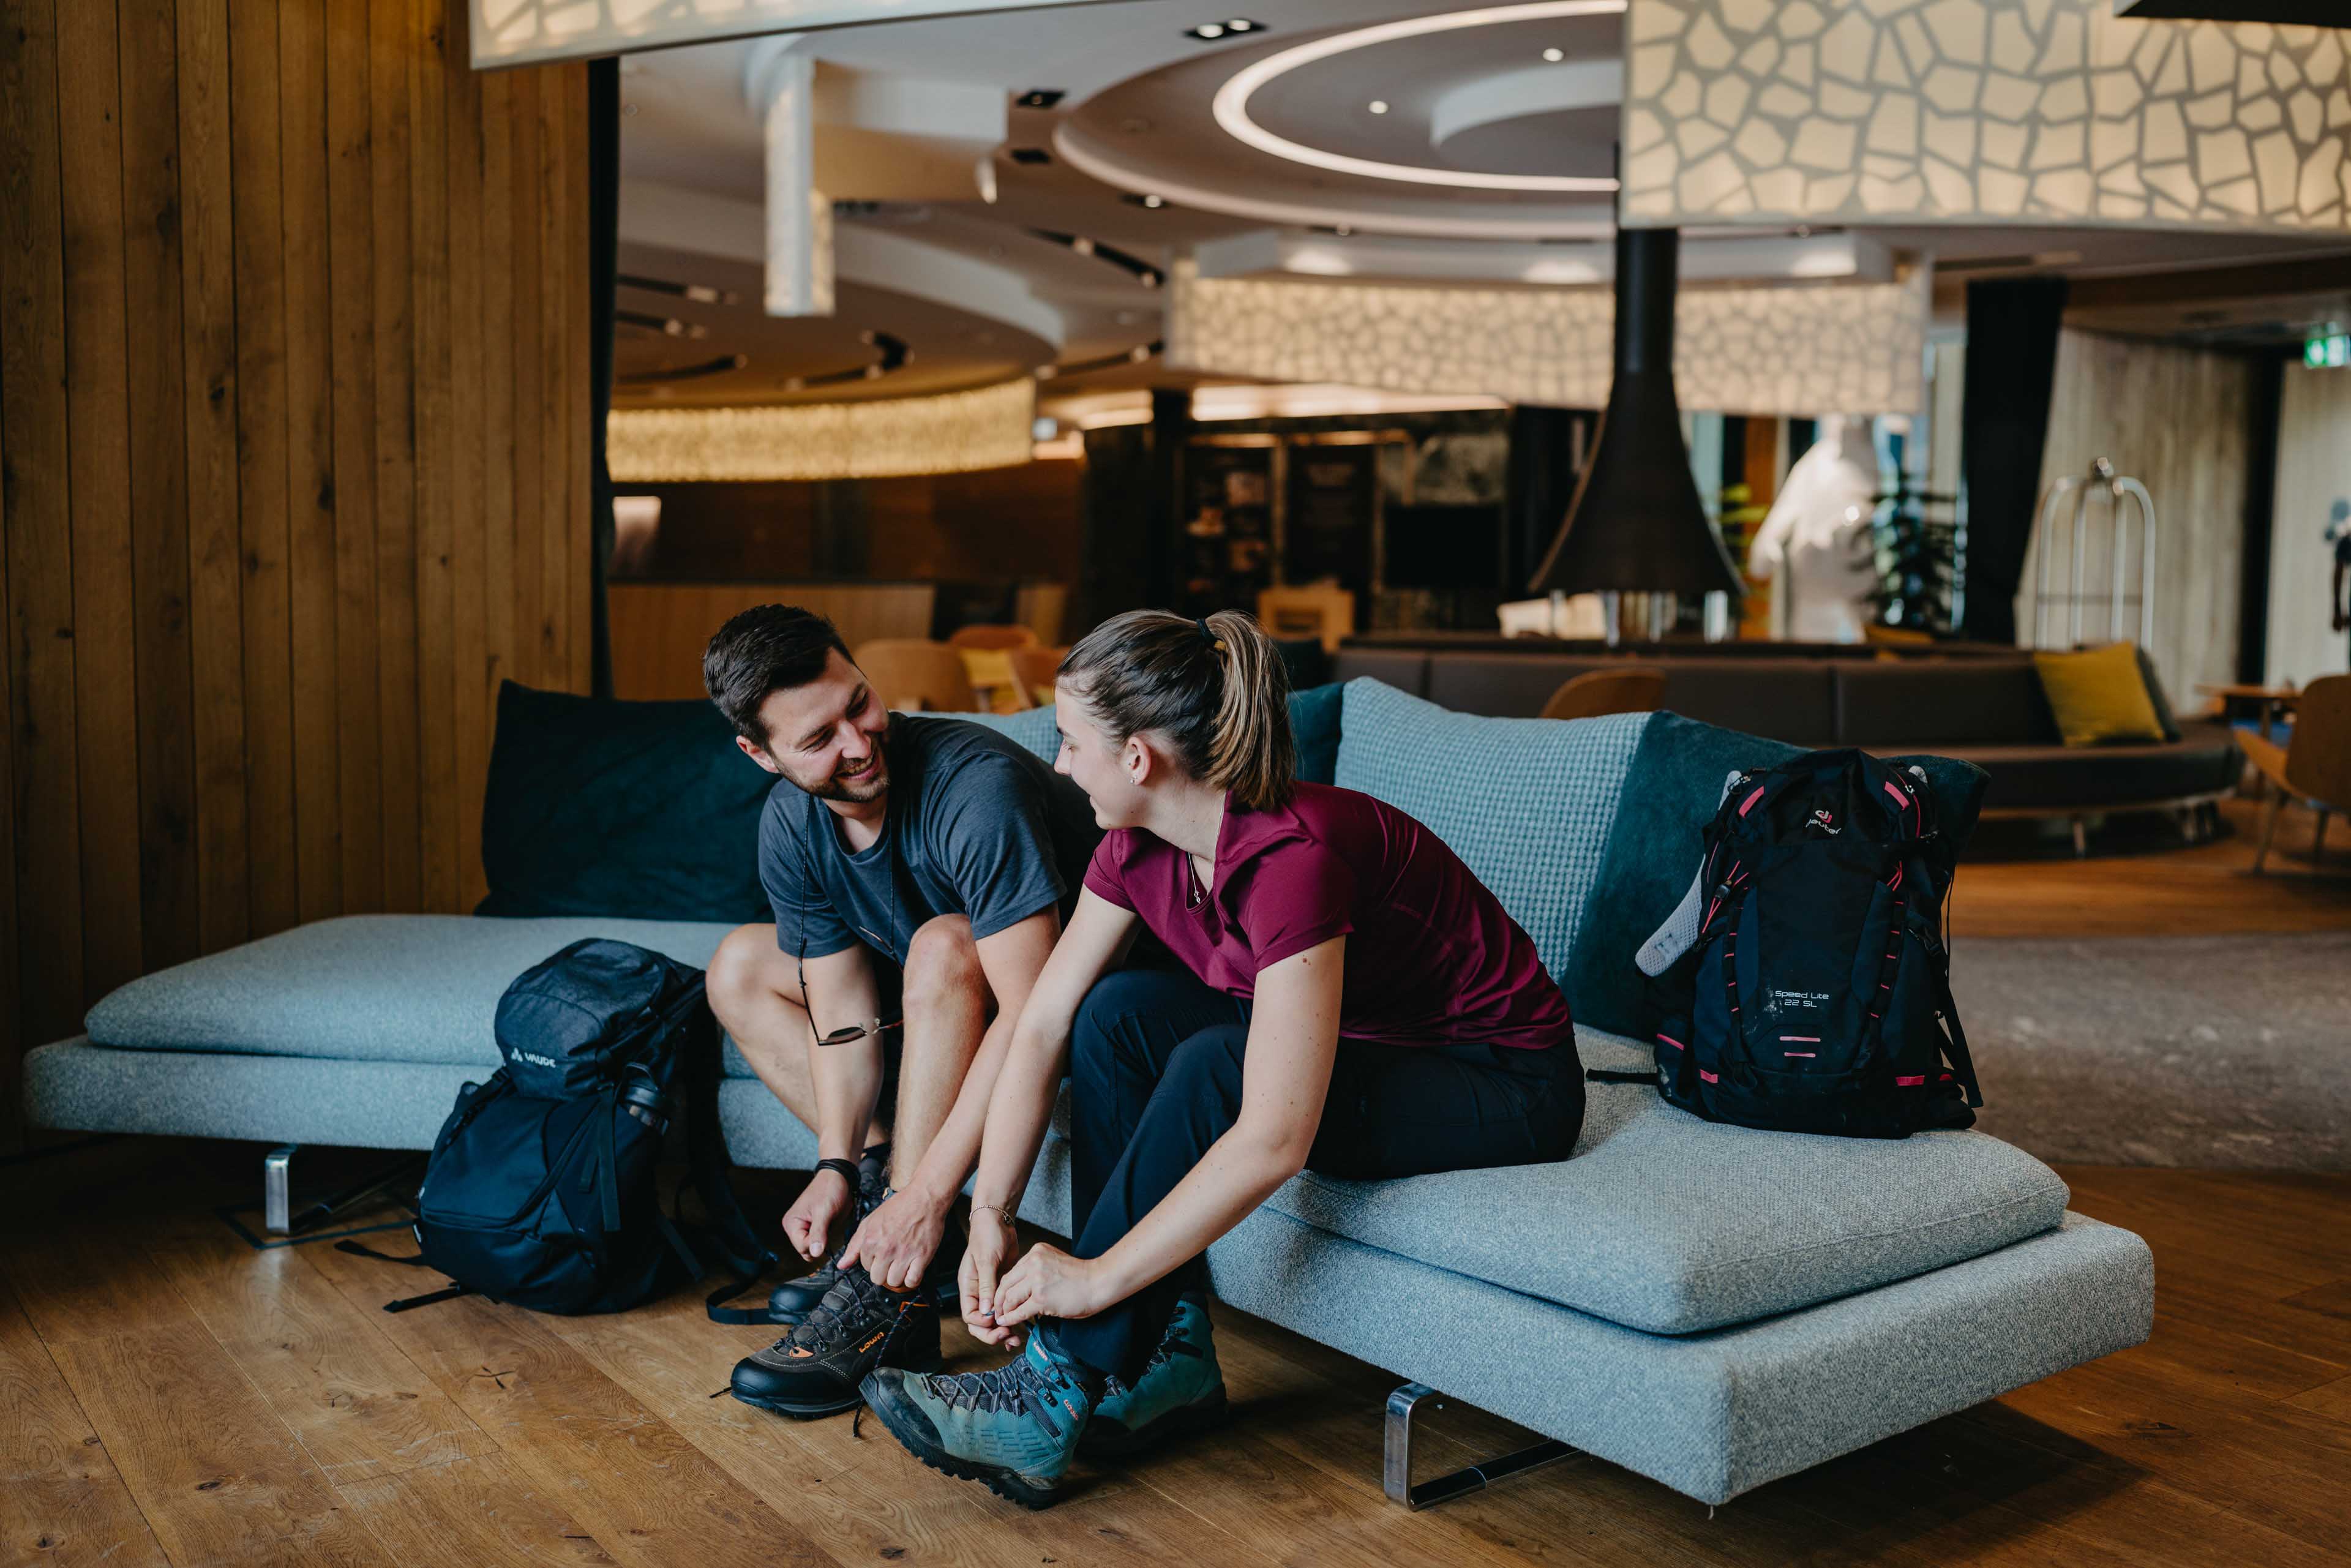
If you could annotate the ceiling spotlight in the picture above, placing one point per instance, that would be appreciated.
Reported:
(1342, 230)
(1030, 155)
(1378, 106)
(1153, 201)
(1240, 25)
(1082, 246)
(1555, 56)
(1139, 353)
(1210, 32)
(1040, 98)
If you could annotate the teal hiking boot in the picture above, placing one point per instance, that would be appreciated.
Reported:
(1014, 1429)
(1181, 1391)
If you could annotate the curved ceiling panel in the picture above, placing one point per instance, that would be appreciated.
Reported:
(1982, 111)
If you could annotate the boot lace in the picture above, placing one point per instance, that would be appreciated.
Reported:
(1015, 1388)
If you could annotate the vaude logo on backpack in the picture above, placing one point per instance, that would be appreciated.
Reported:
(1815, 995)
(540, 1188)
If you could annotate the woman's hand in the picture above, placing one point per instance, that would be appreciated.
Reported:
(1049, 1283)
(809, 1220)
(991, 1249)
(898, 1239)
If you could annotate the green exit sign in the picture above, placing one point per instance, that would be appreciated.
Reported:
(2332, 351)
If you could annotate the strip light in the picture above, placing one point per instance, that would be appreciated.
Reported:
(1231, 104)
(951, 433)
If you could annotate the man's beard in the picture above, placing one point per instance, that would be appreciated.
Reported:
(870, 786)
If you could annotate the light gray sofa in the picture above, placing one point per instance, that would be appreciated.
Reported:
(1711, 1306)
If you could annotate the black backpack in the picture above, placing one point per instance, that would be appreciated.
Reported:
(540, 1187)
(1817, 996)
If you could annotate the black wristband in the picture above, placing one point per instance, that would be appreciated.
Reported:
(845, 1169)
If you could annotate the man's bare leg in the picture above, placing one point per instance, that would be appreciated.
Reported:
(755, 990)
(947, 1003)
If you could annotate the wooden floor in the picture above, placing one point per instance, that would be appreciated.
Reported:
(168, 1393)
(2206, 889)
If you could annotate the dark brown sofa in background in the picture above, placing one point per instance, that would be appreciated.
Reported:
(1987, 710)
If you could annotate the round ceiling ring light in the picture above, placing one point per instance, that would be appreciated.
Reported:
(1231, 104)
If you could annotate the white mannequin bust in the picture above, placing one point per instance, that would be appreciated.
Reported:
(1815, 541)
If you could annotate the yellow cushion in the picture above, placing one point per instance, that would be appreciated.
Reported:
(2098, 696)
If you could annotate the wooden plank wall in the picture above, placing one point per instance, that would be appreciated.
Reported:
(2174, 418)
(294, 446)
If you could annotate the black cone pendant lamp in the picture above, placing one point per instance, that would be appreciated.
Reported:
(1636, 525)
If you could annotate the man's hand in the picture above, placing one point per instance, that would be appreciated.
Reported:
(992, 1246)
(898, 1241)
(809, 1221)
(1048, 1283)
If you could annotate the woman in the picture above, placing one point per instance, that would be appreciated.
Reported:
(1351, 998)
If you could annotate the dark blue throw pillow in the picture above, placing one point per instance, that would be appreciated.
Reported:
(1314, 731)
(633, 808)
(1671, 792)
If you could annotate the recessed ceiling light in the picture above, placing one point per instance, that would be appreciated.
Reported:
(1555, 56)
(1342, 230)
(1240, 25)
(1030, 155)
(1209, 30)
(1145, 199)
(1232, 27)
(1378, 106)
(1040, 98)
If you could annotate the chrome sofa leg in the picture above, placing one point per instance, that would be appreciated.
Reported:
(277, 1189)
(1396, 1477)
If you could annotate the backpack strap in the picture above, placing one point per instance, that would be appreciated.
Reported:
(1963, 1066)
(359, 1250)
(429, 1298)
(735, 1239)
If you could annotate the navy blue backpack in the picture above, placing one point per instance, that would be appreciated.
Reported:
(540, 1188)
(1817, 996)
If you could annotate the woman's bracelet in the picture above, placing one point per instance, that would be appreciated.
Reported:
(998, 1210)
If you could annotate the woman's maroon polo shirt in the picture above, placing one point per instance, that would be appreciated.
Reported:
(1432, 958)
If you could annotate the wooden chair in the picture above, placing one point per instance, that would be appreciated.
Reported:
(1321, 609)
(1036, 665)
(2314, 766)
(917, 676)
(994, 637)
(1632, 690)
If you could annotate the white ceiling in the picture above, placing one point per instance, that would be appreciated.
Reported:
(1135, 117)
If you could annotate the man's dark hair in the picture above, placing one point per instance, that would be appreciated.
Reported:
(769, 648)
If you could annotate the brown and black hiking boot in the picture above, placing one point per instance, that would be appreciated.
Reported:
(793, 1299)
(859, 1325)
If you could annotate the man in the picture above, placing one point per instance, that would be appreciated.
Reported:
(918, 869)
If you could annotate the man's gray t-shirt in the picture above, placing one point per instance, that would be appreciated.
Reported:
(977, 826)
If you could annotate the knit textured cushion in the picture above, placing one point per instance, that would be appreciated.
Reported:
(365, 988)
(1670, 1224)
(1527, 803)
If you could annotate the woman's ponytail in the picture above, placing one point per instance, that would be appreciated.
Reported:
(1216, 688)
(1250, 752)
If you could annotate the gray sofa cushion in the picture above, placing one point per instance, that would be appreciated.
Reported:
(367, 987)
(1673, 1225)
(1525, 802)
(1718, 1414)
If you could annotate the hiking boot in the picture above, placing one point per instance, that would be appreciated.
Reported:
(858, 1326)
(790, 1301)
(1014, 1429)
(1180, 1392)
